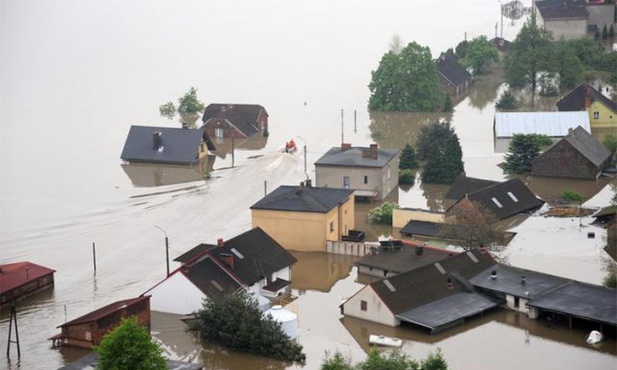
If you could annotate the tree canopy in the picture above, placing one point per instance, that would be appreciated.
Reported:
(406, 81)
(472, 225)
(189, 108)
(129, 347)
(522, 150)
(480, 52)
(408, 158)
(394, 360)
(235, 321)
(439, 146)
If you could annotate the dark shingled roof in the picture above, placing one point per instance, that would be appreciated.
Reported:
(451, 70)
(210, 277)
(501, 44)
(177, 145)
(513, 196)
(90, 361)
(105, 311)
(303, 199)
(352, 157)
(559, 9)
(574, 100)
(588, 146)
(464, 185)
(403, 259)
(242, 116)
(427, 284)
(255, 255)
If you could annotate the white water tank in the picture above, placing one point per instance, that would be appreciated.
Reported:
(288, 320)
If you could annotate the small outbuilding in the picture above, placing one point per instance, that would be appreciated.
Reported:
(22, 279)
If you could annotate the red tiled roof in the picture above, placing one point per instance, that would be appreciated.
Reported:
(107, 310)
(16, 274)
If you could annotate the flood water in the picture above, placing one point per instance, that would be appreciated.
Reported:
(76, 75)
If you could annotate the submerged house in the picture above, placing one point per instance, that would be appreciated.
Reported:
(252, 261)
(579, 155)
(563, 18)
(19, 280)
(584, 97)
(235, 120)
(372, 172)
(453, 76)
(166, 145)
(88, 330)
(304, 218)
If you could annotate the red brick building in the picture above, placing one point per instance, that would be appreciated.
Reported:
(88, 330)
(21, 279)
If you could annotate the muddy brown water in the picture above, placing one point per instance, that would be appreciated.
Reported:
(75, 77)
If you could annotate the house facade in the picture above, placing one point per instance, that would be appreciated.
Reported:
(584, 97)
(562, 18)
(579, 155)
(372, 172)
(88, 330)
(235, 120)
(303, 218)
(22, 279)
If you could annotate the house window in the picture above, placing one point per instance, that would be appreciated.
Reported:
(346, 182)
(363, 305)
(516, 302)
(365, 179)
(219, 132)
(596, 115)
(332, 226)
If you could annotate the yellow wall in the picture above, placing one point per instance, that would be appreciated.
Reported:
(606, 117)
(305, 231)
(401, 216)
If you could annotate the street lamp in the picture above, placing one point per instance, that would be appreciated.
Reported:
(304, 141)
(166, 247)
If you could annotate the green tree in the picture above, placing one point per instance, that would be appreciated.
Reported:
(406, 177)
(406, 81)
(434, 361)
(506, 101)
(567, 65)
(604, 33)
(189, 108)
(447, 105)
(461, 49)
(129, 347)
(472, 225)
(439, 146)
(610, 280)
(336, 362)
(394, 360)
(408, 158)
(382, 214)
(234, 321)
(522, 150)
(611, 32)
(528, 56)
(480, 52)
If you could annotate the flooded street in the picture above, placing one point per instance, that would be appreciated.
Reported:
(76, 75)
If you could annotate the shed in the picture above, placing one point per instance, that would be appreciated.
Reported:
(19, 280)
(552, 124)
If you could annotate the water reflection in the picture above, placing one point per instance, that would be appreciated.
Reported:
(151, 175)
(224, 146)
(395, 129)
(550, 189)
(485, 87)
(319, 270)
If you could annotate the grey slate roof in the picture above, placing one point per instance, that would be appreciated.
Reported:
(242, 116)
(588, 146)
(90, 361)
(464, 185)
(255, 254)
(353, 157)
(451, 70)
(559, 9)
(210, 277)
(574, 100)
(521, 198)
(303, 199)
(403, 259)
(178, 145)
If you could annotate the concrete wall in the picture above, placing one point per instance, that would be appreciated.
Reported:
(600, 15)
(401, 216)
(567, 28)
(177, 295)
(376, 310)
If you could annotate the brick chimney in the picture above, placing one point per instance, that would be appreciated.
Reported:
(220, 242)
(228, 259)
(587, 97)
(345, 146)
(371, 152)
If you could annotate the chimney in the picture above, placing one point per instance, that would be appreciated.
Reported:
(308, 183)
(27, 273)
(523, 279)
(587, 97)
(156, 140)
(220, 242)
(371, 152)
(494, 274)
(449, 283)
(345, 146)
(228, 259)
(419, 250)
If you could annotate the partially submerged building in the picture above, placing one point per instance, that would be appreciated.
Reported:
(235, 120)
(19, 280)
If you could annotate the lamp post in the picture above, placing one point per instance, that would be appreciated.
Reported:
(166, 247)
(304, 141)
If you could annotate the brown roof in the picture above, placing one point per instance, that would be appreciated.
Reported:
(14, 275)
(105, 311)
(242, 116)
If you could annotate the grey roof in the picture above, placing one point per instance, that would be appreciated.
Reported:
(242, 116)
(464, 185)
(501, 44)
(303, 199)
(553, 124)
(449, 68)
(403, 259)
(89, 362)
(506, 199)
(177, 145)
(255, 256)
(353, 157)
(574, 100)
(449, 310)
(560, 9)
(210, 277)
(585, 301)
(588, 146)
(424, 228)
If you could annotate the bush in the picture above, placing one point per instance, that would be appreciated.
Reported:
(408, 158)
(610, 280)
(542, 140)
(506, 101)
(382, 214)
(406, 177)
(572, 196)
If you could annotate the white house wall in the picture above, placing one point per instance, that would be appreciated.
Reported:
(177, 295)
(376, 310)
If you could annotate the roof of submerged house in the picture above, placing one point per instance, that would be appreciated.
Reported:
(450, 69)
(106, 310)
(355, 157)
(303, 199)
(14, 275)
(464, 185)
(404, 258)
(560, 9)
(574, 100)
(242, 116)
(588, 146)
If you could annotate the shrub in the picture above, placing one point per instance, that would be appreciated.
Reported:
(506, 101)
(406, 177)
(610, 280)
(382, 214)
(572, 196)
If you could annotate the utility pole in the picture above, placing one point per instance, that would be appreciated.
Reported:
(306, 173)
(166, 247)
(94, 257)
(16, 341)
(265, 187)
(342, 130)
(355, 128)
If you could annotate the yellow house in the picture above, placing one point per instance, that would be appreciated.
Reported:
(602, 110)
(303, 218)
